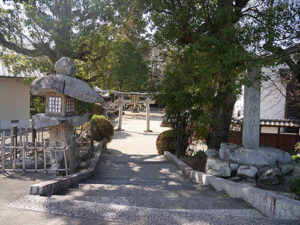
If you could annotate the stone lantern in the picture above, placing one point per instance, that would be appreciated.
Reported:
(61, 92)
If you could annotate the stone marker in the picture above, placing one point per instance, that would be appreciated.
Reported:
(251, 123)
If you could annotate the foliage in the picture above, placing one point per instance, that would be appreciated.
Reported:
(296, 158)
(37, 105)
(166, 142)
(83, 107)
(103, 37)
(103, 128)
(199, 155)
(122, 67)
(295, 187)
(211, 44)
(297, 147)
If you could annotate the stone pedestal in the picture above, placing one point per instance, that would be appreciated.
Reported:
(62, 136)
(251, 123)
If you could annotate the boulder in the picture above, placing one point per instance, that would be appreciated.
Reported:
(269, 175)
(234, 167)
(264, 156)
(65, 66)
(296, 171)
(247, 171)
(286, 168)
(218, 168)
(211, 153)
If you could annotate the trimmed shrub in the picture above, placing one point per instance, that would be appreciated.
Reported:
(295, 187)
(166, 142)
(103, 128)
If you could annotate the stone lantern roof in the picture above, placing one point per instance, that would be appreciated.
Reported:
(65, 83)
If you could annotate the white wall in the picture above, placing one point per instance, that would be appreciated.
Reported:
(14, 102)
(273, 92)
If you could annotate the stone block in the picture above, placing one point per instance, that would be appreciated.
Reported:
(218, 168)
(286, 168)
(65, 66)
(264, 156)
(211, 153)
(247, 171)
(296, 171)
(269, 175)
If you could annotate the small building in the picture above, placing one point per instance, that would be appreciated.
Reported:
(14, 98)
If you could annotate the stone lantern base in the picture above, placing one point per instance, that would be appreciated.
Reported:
(63, 136)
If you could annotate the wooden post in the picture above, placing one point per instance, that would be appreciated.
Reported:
(3, 152)
(65, 159)
(11, 144)
(35, 156)
(56, 163)
(45, 156)
(21, 136)
(26, 139)
(92, 139)
(24, 166)
(33, 135)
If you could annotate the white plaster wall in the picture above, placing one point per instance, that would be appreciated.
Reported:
(14, 102)
(272, 105)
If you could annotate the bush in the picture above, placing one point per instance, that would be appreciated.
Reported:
(103, 128)
(166, 142)
(295, 187)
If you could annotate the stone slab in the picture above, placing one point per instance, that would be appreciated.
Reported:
(66, 85)
(139, 215)
(42, 120)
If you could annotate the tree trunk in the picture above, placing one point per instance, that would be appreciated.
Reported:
(222, 118)
(181, 139)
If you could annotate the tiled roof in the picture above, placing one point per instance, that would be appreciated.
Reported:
(272, 122)
(4, 72)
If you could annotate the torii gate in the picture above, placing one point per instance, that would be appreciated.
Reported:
(135, 102)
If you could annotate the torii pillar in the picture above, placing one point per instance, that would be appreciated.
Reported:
(148, 114)
(120, 114)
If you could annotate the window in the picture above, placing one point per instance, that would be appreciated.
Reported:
(70, 105)
(55, 104)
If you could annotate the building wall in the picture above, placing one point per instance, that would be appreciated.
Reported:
(14, 103)
(272, 104)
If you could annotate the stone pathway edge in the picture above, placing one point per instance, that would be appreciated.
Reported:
(268, 203)
(50, 187)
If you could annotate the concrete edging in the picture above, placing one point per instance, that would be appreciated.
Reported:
(268, 203)
(48, 188)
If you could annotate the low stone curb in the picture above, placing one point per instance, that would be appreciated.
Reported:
(48, 188)
(269, 203)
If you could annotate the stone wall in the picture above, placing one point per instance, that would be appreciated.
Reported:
(265, 165)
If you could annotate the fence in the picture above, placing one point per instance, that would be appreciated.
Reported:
(272, 133)
(21, 155)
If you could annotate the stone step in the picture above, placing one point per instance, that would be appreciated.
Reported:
(140, 192)
(135, 170)
(198, 202)
(138, 181)
(122, 187)
(139, 215)
(123, 158)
